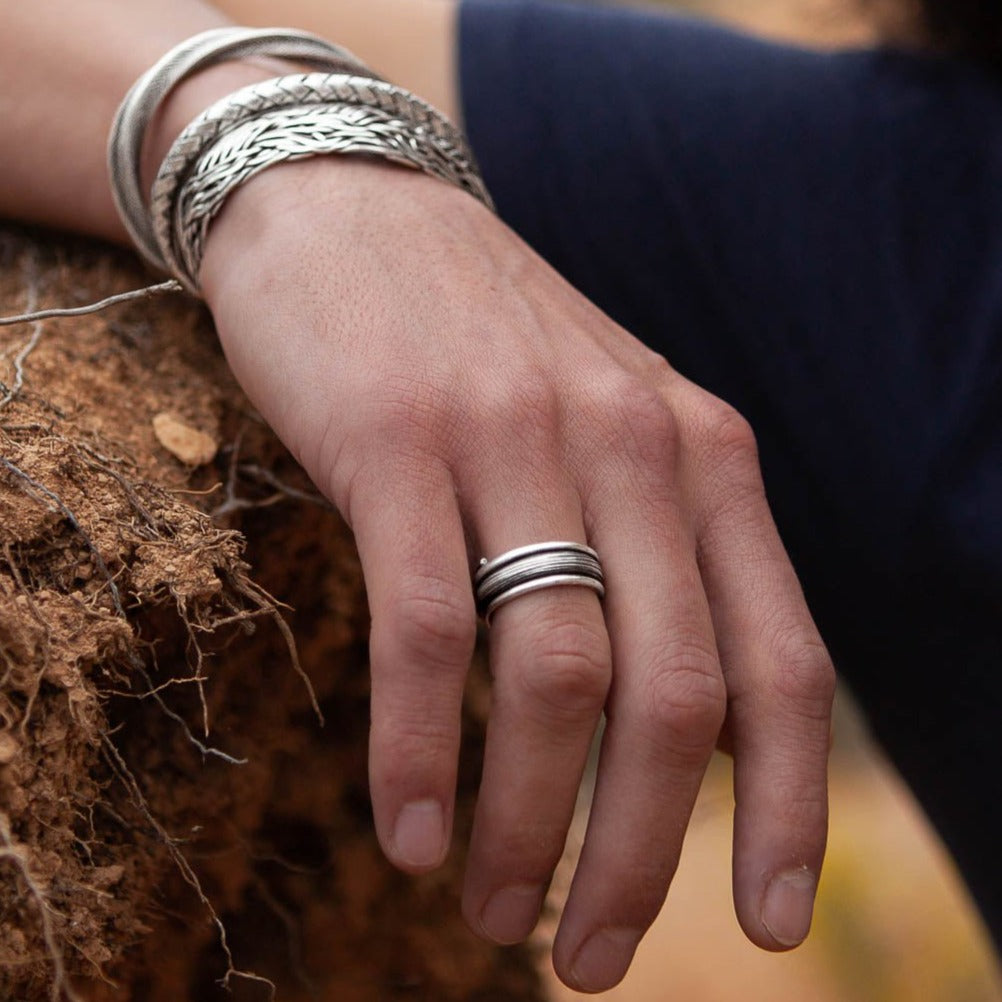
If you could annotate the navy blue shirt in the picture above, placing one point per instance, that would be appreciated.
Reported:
(816, 238)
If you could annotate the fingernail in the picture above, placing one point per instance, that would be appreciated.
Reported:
(511, 913)
(604, 958)
(788, 906)
(419, 834)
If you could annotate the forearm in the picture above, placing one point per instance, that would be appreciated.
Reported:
(63, 70)
(65, 67)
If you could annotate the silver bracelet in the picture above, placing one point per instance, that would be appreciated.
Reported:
(263, 125)
(128, 131)
(288, 134)
(284, 92)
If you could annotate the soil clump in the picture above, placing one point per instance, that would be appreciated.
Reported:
(172, 815)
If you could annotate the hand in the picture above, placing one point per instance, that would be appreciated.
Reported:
(456, 398)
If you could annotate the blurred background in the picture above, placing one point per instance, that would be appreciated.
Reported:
(893, 922)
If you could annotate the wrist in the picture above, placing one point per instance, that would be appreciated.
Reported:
(264, 117)
(340, 206)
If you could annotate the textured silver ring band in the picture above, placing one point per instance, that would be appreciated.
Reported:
(533, 568)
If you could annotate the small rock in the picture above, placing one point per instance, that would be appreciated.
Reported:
(8, 747)
(107, 876)
(191, 446)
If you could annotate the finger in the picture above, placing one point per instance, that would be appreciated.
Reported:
(665, 709)
(551, 660)
(551, 667)
(780, 682)
(416, 570)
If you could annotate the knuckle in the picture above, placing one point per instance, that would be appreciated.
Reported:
(653, 430)
(433, 620)
(412, 408)
(647, 882)
(634, 888)
(804, 811)
(525, 403)
(730, 436)
(531, 850)
(411, 748)
(405, 435)
(658, 371)
(803, 675)
(730, 464)
(567, 672)
(415, 731)
(797, 812)
(686, 700)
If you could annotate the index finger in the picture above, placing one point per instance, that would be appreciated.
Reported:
(414, 559)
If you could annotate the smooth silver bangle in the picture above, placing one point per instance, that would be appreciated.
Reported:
(128, 131)
(261, 125)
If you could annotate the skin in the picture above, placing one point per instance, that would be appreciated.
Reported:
(455, 397)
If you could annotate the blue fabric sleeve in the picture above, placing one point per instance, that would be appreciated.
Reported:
(817, 238)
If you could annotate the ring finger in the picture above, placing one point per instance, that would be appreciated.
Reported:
(551, 665)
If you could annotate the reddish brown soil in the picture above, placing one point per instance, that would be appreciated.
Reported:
(124, 849)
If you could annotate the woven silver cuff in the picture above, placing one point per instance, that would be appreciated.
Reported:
(294, 134)
(291, 118)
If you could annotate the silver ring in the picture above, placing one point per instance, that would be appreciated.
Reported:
(532, 568)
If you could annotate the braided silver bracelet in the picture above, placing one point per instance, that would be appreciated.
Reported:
(128, 131)
(292, 118)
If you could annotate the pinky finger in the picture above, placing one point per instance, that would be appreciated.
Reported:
(780, 683)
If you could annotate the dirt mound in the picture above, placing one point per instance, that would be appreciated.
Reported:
(171, 813)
